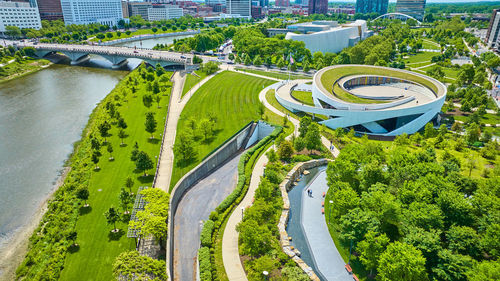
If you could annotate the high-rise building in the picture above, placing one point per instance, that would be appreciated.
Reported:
(139, 9)
(282, 3)
(371, 6)
(107, 12)
(19, 14)
(493, 30)
(213, 3)
(414, 8)
(125, 12)
(318, 7)
(164, 12)
(50, 9)
(239, 7)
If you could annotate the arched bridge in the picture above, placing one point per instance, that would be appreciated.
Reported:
(116, 55)
(396, 16)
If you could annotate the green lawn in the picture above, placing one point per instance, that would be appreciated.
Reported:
(304, 97)
(274, 74)
(16, 69)
(488, 118)
(448, 71)
(329, 78)
(123, 35)
(192, 80)
(233, 98)
(430, 45)
(420, 57)
(98, 248)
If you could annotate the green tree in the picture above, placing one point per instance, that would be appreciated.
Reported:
(429, 131)
(83, 194)
(304, 124)
(344, 199)
(485, 270)
(132, 266)
(95, 159)
(147, 100)
(255, 239)
(122, 135)
(72, 235)
(285, 150)
(13, 31)
(206, 128)
(129, 183)
(184, 147)
(464, 240)
(112, 217)
(305, 66)
(248, 60)
(257, 61)
(150, 123)
(401, 261)
(125, 199)
(371, 248)
(143, 162)
(466, 74)
(473, 133)
(122, 124)
(313, 137)
(104, 130)
(110, 151)
(355, 224)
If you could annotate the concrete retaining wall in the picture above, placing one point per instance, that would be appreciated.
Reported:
(148, 36)
(286, 186)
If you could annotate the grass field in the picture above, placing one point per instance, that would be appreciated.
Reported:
(430, 45)
(420, 57)
(192, 80)
(98, 248)
(329, 77)
(304, 97)
(17, 69)
(123, 35)
(274, 74)
(488, 118)
(233, 98)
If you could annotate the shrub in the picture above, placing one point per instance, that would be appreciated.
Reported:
(205, 265)
(206, 233)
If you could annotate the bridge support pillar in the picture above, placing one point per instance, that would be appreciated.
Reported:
(80, 60)
(120, 64)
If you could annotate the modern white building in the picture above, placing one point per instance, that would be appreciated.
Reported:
(493, 30)
(164, 12)
(107, 12)
(19, 14)
(328, 36)
(241, 8)
(215, 2)
(397, 102)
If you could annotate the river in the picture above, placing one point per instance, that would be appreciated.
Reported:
(41, 116)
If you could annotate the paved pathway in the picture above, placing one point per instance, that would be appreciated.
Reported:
(195, 207)
(326, 256)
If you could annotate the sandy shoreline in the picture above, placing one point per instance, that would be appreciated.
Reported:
(12, 255)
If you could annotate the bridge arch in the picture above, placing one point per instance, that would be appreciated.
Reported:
(397, 16)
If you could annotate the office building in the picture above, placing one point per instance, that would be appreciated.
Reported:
(212, 3)
(19, 14)
(318, 7)
(164, 12)
(371, 6)
(414, 8)
(139, 9)
(282, 3)
(50, 9)
(239, 7)
(493, 30)
(327, 36)
(125, 12)
(107, 12)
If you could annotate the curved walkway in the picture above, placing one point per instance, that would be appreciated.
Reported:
(230, 254)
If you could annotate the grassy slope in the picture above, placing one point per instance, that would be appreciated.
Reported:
(192, 80)
(16, 69)
(329, 77)
(420, 57)
(97, 248)
(304, 97)
(233, 97)
(274, 74)
(147, 31)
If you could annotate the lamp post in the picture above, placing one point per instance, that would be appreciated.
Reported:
(242, 210)
(331, 209)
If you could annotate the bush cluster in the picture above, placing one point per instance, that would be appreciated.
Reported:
(205, 265)
(206, 233)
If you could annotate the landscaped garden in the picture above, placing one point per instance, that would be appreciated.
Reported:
(192, 79)
(78, 242)
(275, 74)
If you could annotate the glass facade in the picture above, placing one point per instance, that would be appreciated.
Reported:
(414, 8)
(371, 6)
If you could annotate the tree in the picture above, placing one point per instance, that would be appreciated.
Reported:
(257, 61)
(72, 235)
(206, 128)
(473, 133)
(129, 183)
(95, 159)
(158, 99)
(255, 239)
(104, 129)
(248, 60)
(132, 266)
(305, 66)
(147, 100)
(371, 248)
(429, 131)
(344, 199)
(83, 194)
(13, 31)
(262, 109)
(150, 123)
(143, 162)
(122, 124)
(485, 270)
(466, 74)
(152, 220)
(355, 224)
(125, 199)
(304, 124)
(122, 135)
(285, 150)
(184, 147)
(110, 151)
(313, 137)
(464, 240)
(112, 217)
(401, 262)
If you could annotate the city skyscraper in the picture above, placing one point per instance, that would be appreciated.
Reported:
(50, 9)
(493, 29)
(372, 6)
(107, 12)
(414, 8)
(282, 3)
(318, 7)
(239, 7)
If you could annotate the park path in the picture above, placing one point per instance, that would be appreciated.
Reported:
(177, 104)
(230, 253)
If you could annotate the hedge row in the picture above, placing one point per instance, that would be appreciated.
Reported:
(205, 265)
(206, 233)
(222, 212)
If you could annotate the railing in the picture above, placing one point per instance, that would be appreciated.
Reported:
(164, 132)
(148, 36)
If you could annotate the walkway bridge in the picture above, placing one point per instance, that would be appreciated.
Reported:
(116, 55)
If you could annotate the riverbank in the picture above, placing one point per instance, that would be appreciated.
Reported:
(25, 68)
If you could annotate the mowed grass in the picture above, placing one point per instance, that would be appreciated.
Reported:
(304, 97)
(192, 80)
(430, 45)
(420, 57)
(275, 74)
(233, 98)
(98, 247)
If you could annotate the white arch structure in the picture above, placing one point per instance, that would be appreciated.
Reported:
(396, 15)
(416, 99)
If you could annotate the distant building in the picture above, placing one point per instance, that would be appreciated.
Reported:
(282, 3)
(414, 8)
(164, 12)
(371, 6)
(318, 7)
(19, 14)
(212, 3)
(239, 7)
(125, 11)
(326, 36)
(493, 30)
(139, 9)
(50, 9)
(342, 10)
(257, 12)
(107, 12)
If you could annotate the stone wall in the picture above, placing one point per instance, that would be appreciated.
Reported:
(286, 186)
